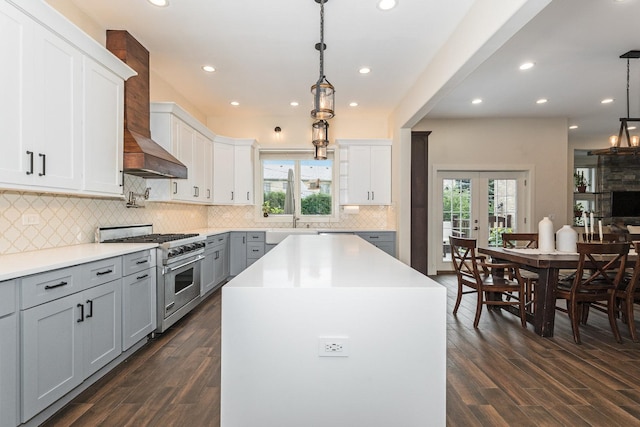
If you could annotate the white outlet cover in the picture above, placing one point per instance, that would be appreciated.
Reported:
(333, 346)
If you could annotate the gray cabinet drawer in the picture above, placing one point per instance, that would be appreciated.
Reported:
(44, 287)
(7, 297)
(103, 271)
(255, 250)
(137, 261)
(383, 236)
(217, 239)
(255, 236)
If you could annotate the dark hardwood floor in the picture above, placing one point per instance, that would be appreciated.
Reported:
(497, 375)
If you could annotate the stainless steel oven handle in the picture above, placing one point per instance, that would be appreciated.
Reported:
(200, 258)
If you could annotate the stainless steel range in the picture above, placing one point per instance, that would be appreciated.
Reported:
(177, 273)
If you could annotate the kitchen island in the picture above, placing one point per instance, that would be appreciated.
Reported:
(329, 330)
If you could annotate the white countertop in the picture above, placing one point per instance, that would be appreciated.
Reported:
(212, 231)
(328, 261)
(26, 263)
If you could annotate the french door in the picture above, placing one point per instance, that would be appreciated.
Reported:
(477, 204)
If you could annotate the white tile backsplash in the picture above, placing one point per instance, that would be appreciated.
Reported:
(67, 220)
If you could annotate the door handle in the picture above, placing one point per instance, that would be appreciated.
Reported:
(44, 164)
(90, 314)
(30, 154)
(81, 319)
(476, 228)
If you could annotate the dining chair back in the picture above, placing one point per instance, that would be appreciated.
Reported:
(624, 297)
(599, 273)
(484, 278)
(520, 240)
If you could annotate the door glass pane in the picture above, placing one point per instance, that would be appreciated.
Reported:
(315, 187)
(456, 212)
(503, 203)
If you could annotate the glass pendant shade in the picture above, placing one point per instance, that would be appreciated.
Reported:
(320, 133)
(635, 140)
(613, 140)
(321, 153)
(323, 100)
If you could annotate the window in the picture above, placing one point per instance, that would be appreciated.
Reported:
(295, 184)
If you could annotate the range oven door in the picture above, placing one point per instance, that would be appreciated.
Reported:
(181, 284)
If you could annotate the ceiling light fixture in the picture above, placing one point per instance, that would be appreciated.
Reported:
(323, 99)
(607, 101)
(573, 127)
(159, 3)
(542, 101)
(477, 101)
(364, 70)
(294, 103)
(208, 68)
(526, 65)
(633, 142)
(387, 4)
(353, 104)
(235, 103)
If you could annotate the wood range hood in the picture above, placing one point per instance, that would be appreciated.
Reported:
(143, 157)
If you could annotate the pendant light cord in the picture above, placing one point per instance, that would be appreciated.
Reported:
(321, 41)
(628, 69)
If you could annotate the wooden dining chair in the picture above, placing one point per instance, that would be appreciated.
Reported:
(475, 273)
(624, 297)
(524, 241)
(598, 274)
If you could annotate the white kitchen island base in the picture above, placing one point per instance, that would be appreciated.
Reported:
(329, 330)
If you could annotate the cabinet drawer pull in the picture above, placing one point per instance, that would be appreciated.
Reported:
(44, 164)
(221, 239)
(142, 277)
(143, 261)
(55, 286)
(255, 250)
(30, 154)
(374, 237)
(90, 314)
(102, 273)
(170, 306)
(81, 319)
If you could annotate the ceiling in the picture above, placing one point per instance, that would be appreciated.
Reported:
(264, 56)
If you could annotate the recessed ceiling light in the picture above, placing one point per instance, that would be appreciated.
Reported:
(573, 127)
(355, 104)
(541, 101)
(526, 65)
(387, 4)
(159, 3)
(235, 103)
(294, 103)
(477, 101)
(607, 101)
(364, 70)
(208, 68)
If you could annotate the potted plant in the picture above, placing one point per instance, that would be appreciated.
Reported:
(577, 210)
(266, 209)
(580, 182)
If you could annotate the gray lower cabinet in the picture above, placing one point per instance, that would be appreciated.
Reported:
(237, 252)
(385, 240)
(66, 340)
(138, 297)
(9, 365)
(215, 267)
(255, 246)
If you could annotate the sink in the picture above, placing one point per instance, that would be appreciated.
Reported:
(276, 235)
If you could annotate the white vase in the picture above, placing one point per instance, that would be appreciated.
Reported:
(546, 242)
(567, 239)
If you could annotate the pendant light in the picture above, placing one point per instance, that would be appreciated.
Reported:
(322, 91)
(633, 141)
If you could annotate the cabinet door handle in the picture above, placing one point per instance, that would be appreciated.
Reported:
(44, 164)
(217, 255)
(55, 286)
(81, 319)
(247, 195)
(102, 273)
(30, 154)
(175, 187)
(122, 178)
(373, 195)
(368, 194)
(169, 306)
(243, 240)
(142, 277)
(208, 193)
(90, 314)
(195, 191)
(232, 195)
(143, 261)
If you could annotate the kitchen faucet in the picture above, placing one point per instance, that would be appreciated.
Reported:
(295, 221)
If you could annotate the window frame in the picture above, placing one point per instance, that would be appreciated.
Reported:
(297, 155)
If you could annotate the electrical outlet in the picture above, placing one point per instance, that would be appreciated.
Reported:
(30, 219)
(333, 346)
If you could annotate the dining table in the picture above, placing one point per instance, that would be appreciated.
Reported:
(548, 267)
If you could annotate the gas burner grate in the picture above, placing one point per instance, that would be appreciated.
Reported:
(151, 238)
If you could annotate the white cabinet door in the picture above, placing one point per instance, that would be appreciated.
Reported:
(139, 306)
(53, 112)
(185, 153)
(380, 175)
(198, 167)
(243, 175)
(52, 363)
(359, 191)
(15, 34)
(208, 171)
(223, 173)
(102, 129)
(102, 327)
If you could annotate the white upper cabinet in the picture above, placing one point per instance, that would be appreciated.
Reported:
(365, 172)
(50, 104)
(233, 163)
(191, 143)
